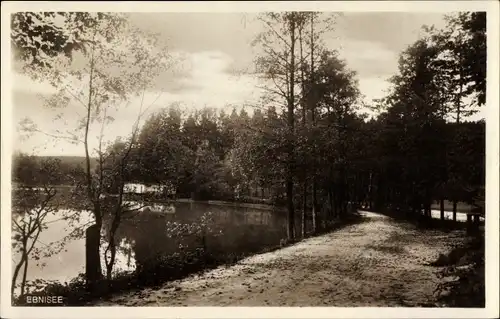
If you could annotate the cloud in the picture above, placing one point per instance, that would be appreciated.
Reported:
(369, 59)
(210, 81)
(393, 30)
(205, 81)
(230, 33)
(208, 48)
(373, 87)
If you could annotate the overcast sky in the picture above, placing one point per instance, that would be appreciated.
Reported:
(213, 45)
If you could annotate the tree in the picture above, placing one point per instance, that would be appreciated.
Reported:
(279, 64)
(38, 38)
(413, 121)
(462, 61)
(336, 95)
(474, 58)
(316, 25)
(33, 200)
(163, 159)
(118, 62)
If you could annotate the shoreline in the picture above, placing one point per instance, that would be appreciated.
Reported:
(314, 269)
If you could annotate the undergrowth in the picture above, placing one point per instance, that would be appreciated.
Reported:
(465, 284)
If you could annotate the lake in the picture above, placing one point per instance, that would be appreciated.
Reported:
(162, 230)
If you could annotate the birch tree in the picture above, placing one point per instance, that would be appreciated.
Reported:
(279, 64)
(117, 63)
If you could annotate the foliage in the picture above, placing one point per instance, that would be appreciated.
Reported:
(116, 61)
(467, 286)
(38, 37)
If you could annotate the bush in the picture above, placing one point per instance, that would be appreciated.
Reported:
(468, 287)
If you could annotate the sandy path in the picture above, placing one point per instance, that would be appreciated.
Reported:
(375, 263)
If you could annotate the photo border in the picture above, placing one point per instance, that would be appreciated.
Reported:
(492, 162)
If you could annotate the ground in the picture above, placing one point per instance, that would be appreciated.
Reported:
(378, 262)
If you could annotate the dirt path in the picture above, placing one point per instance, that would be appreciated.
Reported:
(378, 262)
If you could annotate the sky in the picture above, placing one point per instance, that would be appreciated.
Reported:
(213, 48)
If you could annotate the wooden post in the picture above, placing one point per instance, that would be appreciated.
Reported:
(476, 220)
(441, 208)
(469, 223)
(92, 257)
(454, 210)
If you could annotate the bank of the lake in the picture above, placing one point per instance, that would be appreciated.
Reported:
(375, 263)
(244, 232)
(168, 240)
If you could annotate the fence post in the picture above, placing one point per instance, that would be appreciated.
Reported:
(92, 257)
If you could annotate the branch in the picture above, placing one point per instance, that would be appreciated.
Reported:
(63, 218)
(76, 97)
(275, 32)
(72, 139)
(101, 160)
(20, 229)
(279, 92)
(273, 53)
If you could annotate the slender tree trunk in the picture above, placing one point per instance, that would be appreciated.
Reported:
(304, 208)
(304, 129)
(459, 105)
(90, 189)
(25, 273)
(291, 120)
(112, 248)
(332, 202)
(303, 220)
(370, 192)
(111, 263)
(313, 124)
(314, 206)
(460, 92)
(16, 273)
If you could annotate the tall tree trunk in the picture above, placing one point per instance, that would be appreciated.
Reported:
(291, 120)
(313, 124)
(92, 195)
(304, 115)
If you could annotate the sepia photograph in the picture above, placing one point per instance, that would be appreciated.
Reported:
(273, 157)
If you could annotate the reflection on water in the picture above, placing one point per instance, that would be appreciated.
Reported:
(157, 231)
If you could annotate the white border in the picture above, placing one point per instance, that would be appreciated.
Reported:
(492, 162)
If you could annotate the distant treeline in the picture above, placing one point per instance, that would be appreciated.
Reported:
(30, 170)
